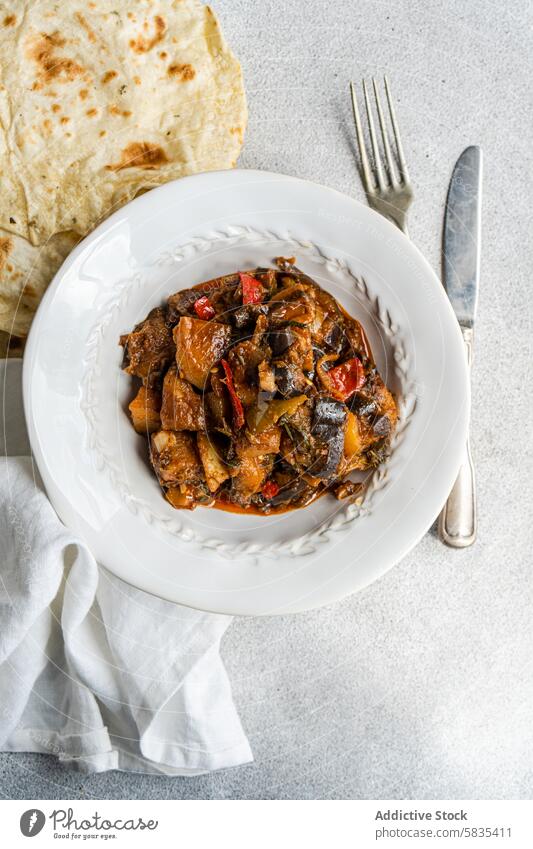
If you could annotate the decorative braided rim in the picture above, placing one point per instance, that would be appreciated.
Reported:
(343, 520)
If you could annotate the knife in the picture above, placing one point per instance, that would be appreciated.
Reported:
(461, 246)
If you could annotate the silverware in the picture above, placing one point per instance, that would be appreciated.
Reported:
(388, 188)
(461, 247)
(390, 193)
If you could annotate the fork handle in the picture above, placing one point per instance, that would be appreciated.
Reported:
(458, 519)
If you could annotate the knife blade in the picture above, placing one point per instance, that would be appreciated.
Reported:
(462, 235)
(461, 248)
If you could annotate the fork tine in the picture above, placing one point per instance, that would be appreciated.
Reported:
(403, 165)
(373, 139)
(385, 136)
(367, 174)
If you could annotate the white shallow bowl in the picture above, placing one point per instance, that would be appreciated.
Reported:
(94, 466)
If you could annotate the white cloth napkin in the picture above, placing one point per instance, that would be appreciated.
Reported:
(100, 674)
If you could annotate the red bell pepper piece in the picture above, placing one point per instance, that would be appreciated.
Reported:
(269, 490)
(346, 378)
(238, 412)
(203, 308)
(252, 291)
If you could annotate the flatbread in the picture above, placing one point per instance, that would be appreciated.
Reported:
(98, 101)
(25, 272)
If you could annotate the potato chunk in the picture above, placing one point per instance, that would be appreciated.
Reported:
(267, 378)
(144, 410)
(199, 345)
(182, 407)
(215, 470)
(252, 444)
(250, 477)
(174, 457)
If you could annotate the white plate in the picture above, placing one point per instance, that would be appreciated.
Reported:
(94, 466)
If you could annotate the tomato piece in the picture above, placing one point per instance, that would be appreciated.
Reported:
(346, 378)
(203, 308)
(252, 291)
(269, 490)
(236, 403)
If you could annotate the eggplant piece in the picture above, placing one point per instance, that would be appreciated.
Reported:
(149, 348)
(299, 494)
(290, 380)
(318, 353)
(384, 400)
(289, 493)
(329, 421)
(381, 426)
(333, 335)
(362, 405)
(182, 303)
(357, 341)
(244, 359)
(328, 418)
(218, 406)
(245, 316)
(280, 340)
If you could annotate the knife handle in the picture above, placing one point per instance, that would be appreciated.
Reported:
(458, 519)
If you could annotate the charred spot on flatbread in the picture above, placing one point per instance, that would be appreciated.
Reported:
(50, 65)
(86, 26)
(6, 246)
(143, 44)
(140, 155)
(116, 110)
(184, 73)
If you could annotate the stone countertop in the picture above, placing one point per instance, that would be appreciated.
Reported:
(421, 686)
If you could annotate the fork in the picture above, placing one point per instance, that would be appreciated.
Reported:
(388, 189)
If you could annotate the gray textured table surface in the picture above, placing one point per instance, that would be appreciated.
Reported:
(422, 685)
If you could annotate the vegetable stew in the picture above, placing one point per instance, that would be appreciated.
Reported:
(258, 393)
